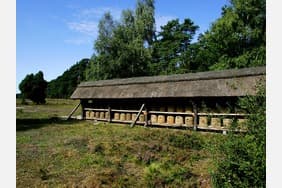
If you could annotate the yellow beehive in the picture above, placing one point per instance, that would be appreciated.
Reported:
(170, 109)
(189, 120)
(133, 117)
(203, 121)
(142, 117)
(87, 114)
(128, 116)
(227, 122)
(179, 120)
(161, 118)
(188, 109)
(215, 122)
(162, 108)
(154, 118)
(102, 115)
(122, 116)
(97, 114)
(116, 116)
(179, 109)
(92, 115)
(242, 123)
(170, 120)
(107, 115)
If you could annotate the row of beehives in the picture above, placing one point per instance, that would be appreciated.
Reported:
(203, 121)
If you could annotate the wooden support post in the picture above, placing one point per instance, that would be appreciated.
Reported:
(82, 110)
(109, 115)
(195, 110)
(73, 110)
(140, 111)
(146, 117)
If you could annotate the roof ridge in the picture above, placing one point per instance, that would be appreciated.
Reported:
(207, 75)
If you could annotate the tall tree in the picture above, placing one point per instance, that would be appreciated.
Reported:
(123, 49)
(173, 41)
(145, 20)
(237, 39)
(33, 87)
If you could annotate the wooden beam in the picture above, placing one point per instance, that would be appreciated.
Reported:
(73, 110)
(171, 113)
(195, 110)
(109, 112)
(133, 123)
(146, 117)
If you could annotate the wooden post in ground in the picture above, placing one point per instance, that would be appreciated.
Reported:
(140, 111)
(146, 117)
(109, 114)
(73, 110)
(195, 111)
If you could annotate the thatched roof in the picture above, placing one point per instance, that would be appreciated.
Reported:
(234, 82)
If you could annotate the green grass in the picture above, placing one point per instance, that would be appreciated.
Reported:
(57, 153)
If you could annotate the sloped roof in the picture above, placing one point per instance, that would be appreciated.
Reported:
(234, 82)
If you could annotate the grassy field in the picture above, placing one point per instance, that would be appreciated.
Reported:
(59, 153)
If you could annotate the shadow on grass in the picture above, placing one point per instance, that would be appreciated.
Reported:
(26, 124)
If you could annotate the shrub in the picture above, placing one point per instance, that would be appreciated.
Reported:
(242, 159)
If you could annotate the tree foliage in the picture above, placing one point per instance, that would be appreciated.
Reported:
(172, 46)
(237, 39)
(33, 87)
(124, 48)
(64, 85)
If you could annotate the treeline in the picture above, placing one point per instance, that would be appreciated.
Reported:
(132, 46)
(64, 85)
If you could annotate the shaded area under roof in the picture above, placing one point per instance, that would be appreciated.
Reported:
(234, 82)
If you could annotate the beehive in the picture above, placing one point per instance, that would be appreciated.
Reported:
(116, 116)
(154, 118)
(142, 117)
(133, 116)
(242, 123)
(92, 115)
(97, 114)
(107, 115)
(102, 115)
(162, 109)
(215, 122)
(203, 121)
(179, 109)
(189, 120)
(161, 118)
(179, 120)
(226, 122)
(122, 116)
(188, 109)
(170, 120)
(87, 114)
(170, 109)
(128, 116)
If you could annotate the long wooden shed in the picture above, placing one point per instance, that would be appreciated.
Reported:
(204, 100)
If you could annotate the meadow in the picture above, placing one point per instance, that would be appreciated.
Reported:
(52, 152)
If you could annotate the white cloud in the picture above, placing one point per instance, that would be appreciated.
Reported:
(85, 21)
(78, 41)
(85, 27)
(97, 13)
(162, 20)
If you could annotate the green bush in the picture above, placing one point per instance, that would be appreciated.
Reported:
(241, 162)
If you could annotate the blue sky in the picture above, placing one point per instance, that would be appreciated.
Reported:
(52, 35)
